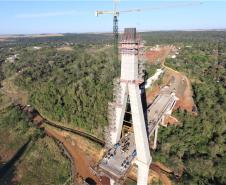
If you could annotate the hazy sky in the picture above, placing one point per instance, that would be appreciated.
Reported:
(60, 16)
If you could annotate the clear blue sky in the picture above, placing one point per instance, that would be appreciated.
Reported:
(33, 16)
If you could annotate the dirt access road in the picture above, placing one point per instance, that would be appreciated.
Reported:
(179, 81)
(82, 165)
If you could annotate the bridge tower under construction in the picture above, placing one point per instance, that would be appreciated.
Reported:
(129, 107)
(129, 92)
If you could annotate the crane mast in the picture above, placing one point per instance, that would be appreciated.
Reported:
(115, 14)
(115, 29)
(116, 35)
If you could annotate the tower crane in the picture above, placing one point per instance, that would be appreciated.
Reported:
(115, 12)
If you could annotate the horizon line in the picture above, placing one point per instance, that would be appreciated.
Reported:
(109, 32)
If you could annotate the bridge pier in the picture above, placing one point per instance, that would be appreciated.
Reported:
(155, 138)
(112, 182)
(142, 173)
(119, 114)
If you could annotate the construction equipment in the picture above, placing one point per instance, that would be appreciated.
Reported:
(115, 12)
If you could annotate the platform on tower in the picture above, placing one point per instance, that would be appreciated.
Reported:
(118, 159)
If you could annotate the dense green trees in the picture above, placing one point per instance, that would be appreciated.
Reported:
(199, 145)
(182, 37)
(71, 39)
(70, 87)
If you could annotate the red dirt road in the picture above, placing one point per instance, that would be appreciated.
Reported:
(81, 163)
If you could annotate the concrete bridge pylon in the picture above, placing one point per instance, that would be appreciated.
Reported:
(129, 85)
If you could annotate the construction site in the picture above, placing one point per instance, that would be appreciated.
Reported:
(132, 133)
(140, 106)
(134, 117)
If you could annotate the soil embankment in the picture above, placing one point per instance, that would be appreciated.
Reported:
(158, 172)
(162, 176)
(182, 87)
(82, 165)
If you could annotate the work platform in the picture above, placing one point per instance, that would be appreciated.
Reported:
(118, 159)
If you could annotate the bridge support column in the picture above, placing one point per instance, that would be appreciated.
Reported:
(112, 182)
(120, 112)
(155, 138)
(163, 121)
(142, 174)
